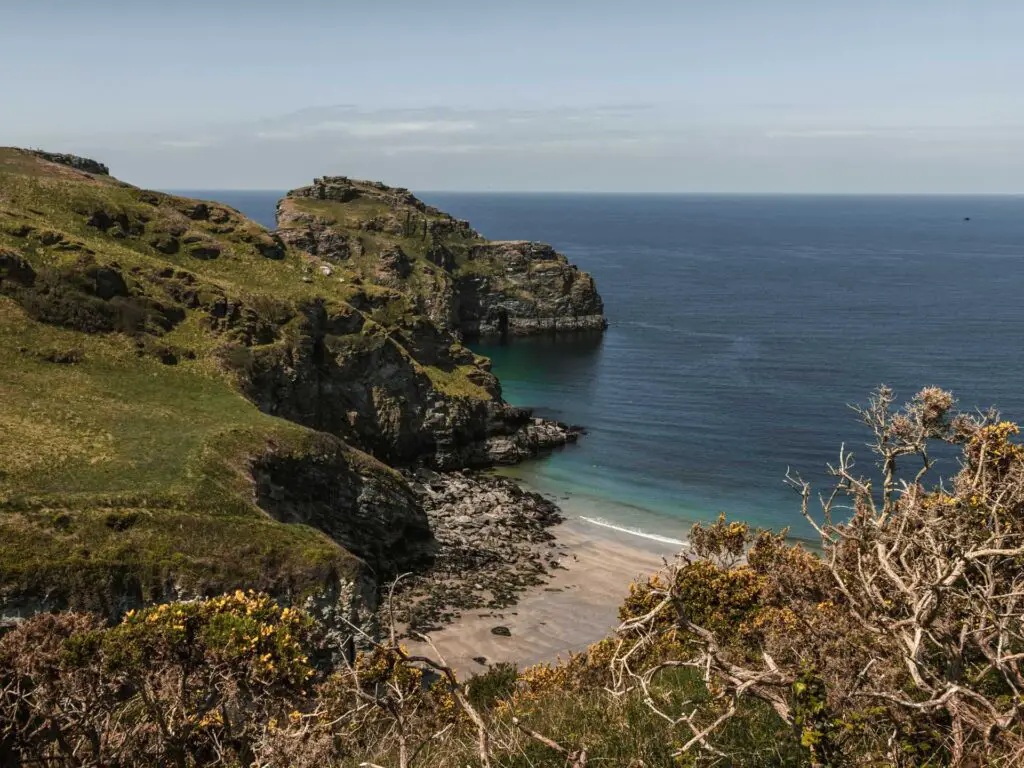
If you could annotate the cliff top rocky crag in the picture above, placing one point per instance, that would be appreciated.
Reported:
(74, 161)
(465, 283)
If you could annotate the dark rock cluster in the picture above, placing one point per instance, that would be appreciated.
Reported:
(74, 161)
(520, 436)
(529, 289)
(372, 513)
(493, 541)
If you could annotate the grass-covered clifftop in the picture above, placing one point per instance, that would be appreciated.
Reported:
(191, 404)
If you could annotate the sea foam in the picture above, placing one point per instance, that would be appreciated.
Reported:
(634, 532)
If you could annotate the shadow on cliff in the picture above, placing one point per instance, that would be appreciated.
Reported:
(368, 510)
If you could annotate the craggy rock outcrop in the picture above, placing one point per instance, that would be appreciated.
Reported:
(427, 278)
(371, 389)
(479, 288)
(493, 541)
(361, 504)
(529, 289)
(74, 161)
(517, 435)
(314, 235)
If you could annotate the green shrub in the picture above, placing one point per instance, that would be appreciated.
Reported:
(498, 682)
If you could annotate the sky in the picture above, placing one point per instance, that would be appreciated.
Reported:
(745, 96)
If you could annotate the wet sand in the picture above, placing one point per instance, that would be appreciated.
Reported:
(578, 606)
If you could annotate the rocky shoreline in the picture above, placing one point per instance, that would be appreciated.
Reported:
(516, 435)
(493, 541)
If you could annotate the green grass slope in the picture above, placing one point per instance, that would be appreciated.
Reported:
(127, 449)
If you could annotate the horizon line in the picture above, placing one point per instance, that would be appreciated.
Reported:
(633, 193)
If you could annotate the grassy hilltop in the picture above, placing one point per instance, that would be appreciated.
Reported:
(463, 282)
(132, 464)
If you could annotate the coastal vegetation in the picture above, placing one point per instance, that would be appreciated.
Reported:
(899, 643)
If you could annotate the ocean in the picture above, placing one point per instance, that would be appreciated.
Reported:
(741, 328)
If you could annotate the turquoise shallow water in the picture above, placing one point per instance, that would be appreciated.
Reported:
(628, 469)
(740, 329)
(563, 379)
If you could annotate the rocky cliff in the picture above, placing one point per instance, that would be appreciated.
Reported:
(519, 288)
(193, 404)
(74, 161)
(466, 284)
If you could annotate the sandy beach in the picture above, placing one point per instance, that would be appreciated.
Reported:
(576, 607)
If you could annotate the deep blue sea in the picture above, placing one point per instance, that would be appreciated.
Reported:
(740, 329)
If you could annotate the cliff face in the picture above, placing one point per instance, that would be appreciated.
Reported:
(519, 288)
(397, 396)
(192, 404)
(417, 394)
(74, 161)
(466, 284)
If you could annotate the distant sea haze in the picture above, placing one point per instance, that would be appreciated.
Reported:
(741, 327)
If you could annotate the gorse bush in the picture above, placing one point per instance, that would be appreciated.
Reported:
(176, 684)
(901, 643)
(494, 685)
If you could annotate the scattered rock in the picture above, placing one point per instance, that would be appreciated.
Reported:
(20, 230)
(501, 631)
(198, 212)
(14, 268)
(205, 250)
(271, 248)
(393, 266)
(490, 535)
(61, 356)
(165, 243)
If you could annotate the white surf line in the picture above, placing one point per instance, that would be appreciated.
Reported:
(634, 532)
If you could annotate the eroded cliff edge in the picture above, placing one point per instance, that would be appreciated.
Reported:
(466, 284)
(193, 404)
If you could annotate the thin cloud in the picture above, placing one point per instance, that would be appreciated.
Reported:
(368, 128)
(898, 133)
(835, 133)
(369, 124)
(188, 143)
(560, 145)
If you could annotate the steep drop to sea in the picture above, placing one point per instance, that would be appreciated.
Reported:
(740, 329)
